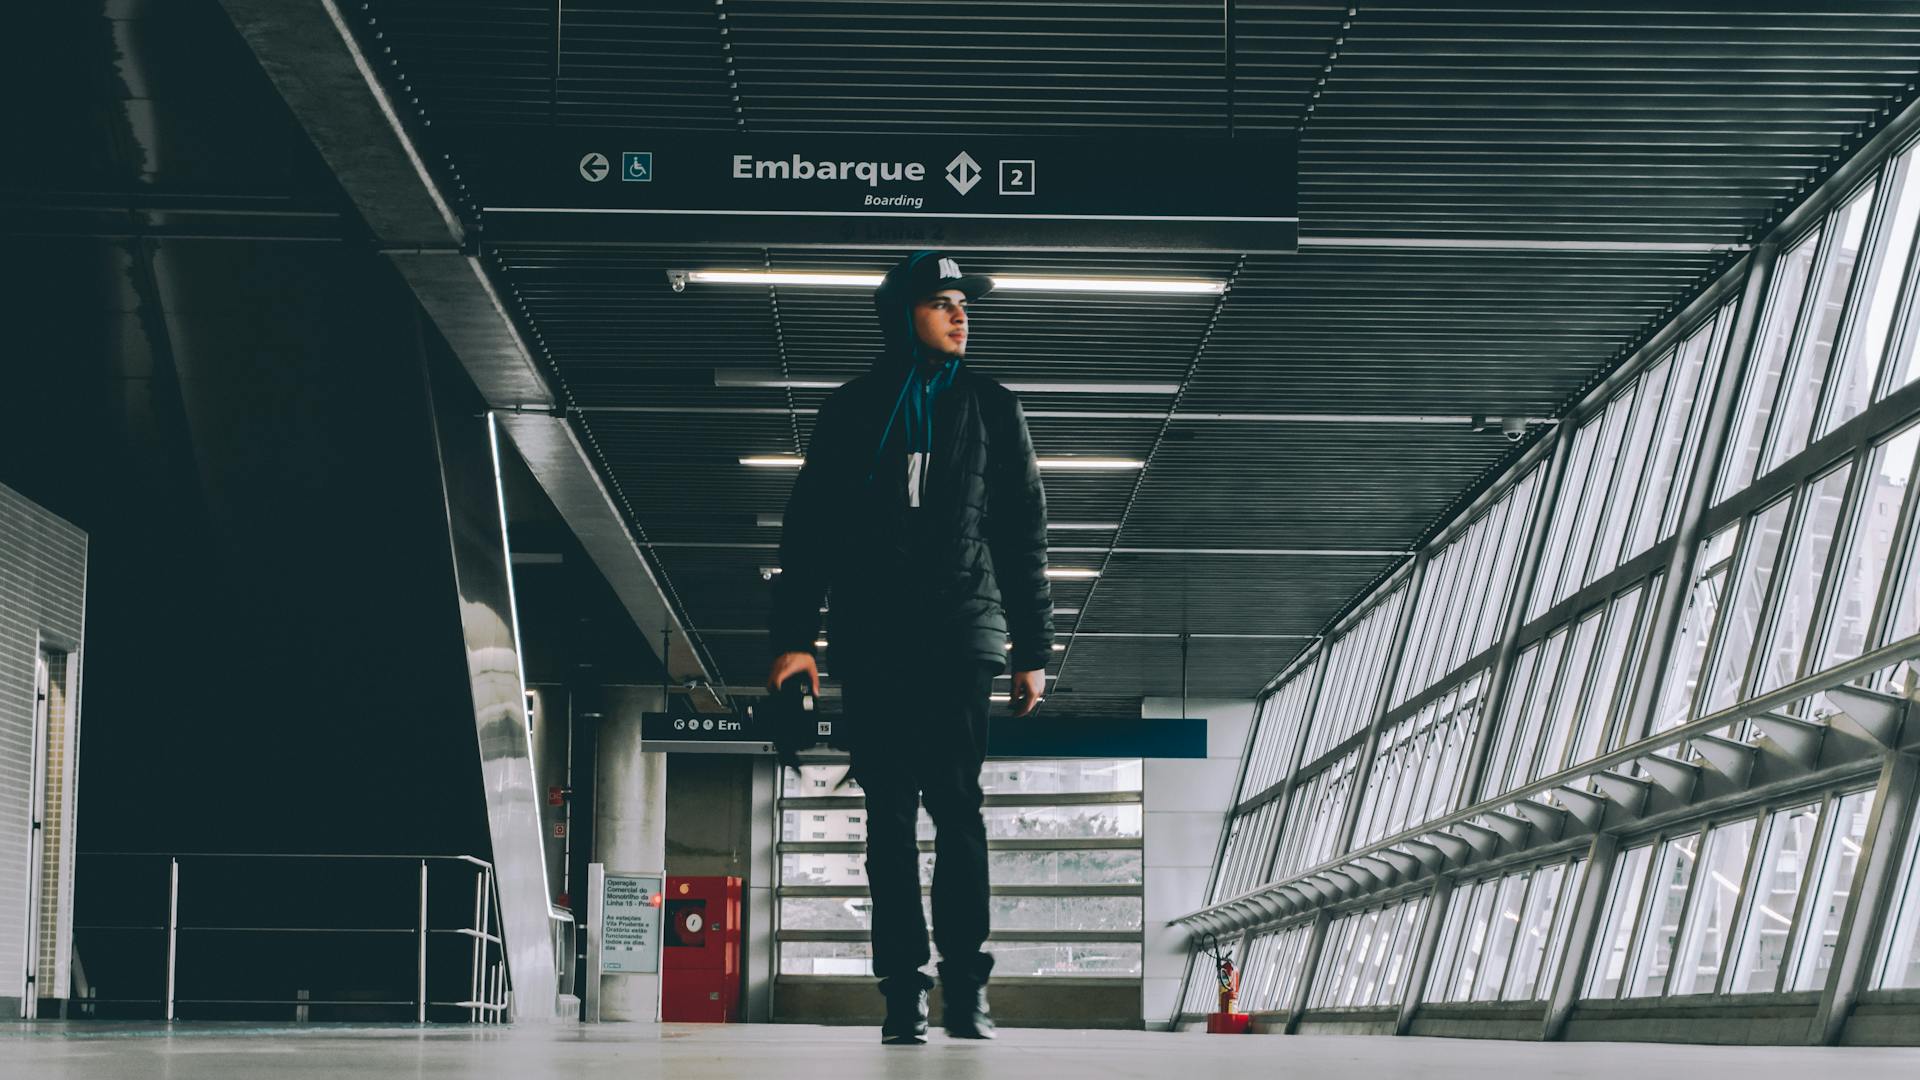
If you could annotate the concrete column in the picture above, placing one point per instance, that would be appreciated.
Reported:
(763, 874)
(1185, 803)
(629, 828)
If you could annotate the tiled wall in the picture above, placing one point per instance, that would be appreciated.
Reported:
(43, 575)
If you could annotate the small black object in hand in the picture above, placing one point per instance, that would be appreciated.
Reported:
(793, 721)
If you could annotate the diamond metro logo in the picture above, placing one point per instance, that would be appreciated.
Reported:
(963, 172)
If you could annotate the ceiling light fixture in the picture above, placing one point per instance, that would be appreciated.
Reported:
(1068, 464)
(1172, 286)
(767, 379)
(1002, 282)
(1161, 389)
(1071, 572)
(1091, 463)
(1084, 526)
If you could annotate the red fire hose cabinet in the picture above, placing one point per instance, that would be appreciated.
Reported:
(700, 965)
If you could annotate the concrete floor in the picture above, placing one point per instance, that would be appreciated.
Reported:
(790, 1052)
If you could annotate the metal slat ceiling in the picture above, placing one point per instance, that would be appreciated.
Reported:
(1630, 143)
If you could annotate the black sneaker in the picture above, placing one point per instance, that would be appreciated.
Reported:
(906, 1023)
(963, 993)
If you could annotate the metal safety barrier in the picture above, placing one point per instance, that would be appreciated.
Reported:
(487, 984)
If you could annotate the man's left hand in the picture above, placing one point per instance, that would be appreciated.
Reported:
(1028, 688)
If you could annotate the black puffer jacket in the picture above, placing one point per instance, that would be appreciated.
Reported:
(958, 576)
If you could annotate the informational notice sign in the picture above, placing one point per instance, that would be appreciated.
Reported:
(630, 914)
(1194, 193)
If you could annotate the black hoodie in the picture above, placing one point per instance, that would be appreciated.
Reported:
(959, 576)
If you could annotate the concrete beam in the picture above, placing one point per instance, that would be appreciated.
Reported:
(308, 50)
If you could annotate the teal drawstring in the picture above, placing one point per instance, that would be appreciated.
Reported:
(888, 430)
(919, 410)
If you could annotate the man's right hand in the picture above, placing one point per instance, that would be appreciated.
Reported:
(787, 665)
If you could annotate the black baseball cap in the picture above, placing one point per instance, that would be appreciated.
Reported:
(927, 272)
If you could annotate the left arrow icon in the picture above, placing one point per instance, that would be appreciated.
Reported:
(594, 167)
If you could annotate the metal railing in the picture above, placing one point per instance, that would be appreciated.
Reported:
(1667, 761)
(487, 985)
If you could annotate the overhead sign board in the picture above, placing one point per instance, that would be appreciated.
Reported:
(711, 732)
(1143, 192)
(1059, 735)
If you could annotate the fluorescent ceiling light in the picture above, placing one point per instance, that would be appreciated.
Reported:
(1187, 286)
(1096, 526)
(1093, 388)
(790, 461)
(768, 379)
(777, 277)
(1108, 463)
(1071, 572)
(1066, 611)
(1004, 282)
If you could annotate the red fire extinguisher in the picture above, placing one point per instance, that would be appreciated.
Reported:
(1227, 978)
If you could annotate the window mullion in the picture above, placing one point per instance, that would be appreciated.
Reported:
(1678, 583)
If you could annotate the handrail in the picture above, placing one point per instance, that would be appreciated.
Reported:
(280, 855)
(486, 1001)
(1798, 690)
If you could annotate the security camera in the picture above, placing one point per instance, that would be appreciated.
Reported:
(677, 279)
(1514, 428)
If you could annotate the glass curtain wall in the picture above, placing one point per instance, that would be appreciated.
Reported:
(1802, 557)
(1750, 905)
(1367, 956)
(1503, 935)
(1270, 968)
(1303, 753)
(1064, 852)
(1420, 768)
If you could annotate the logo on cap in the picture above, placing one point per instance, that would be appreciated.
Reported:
(949, 269)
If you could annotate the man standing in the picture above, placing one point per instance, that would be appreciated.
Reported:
(920, 508)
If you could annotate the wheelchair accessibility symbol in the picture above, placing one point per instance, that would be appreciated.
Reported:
(636, 165)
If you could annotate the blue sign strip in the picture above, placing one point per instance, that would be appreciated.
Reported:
(1097, 737)
(1040, 736)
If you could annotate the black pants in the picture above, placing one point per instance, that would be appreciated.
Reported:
(920, 733)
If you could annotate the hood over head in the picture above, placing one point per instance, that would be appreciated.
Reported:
(907, 283)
